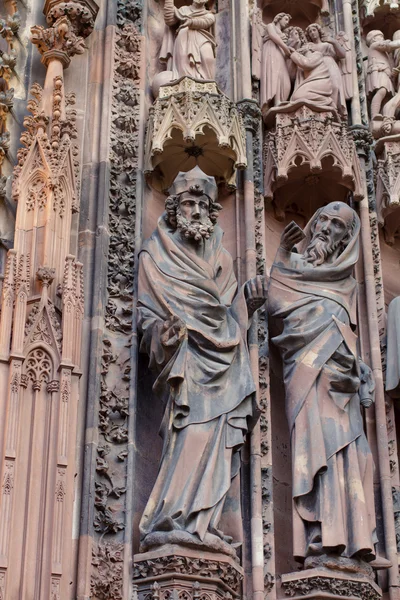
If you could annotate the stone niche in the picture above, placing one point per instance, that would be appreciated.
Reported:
(380, 14)
(303, 12)
(387, 173)
(176, 573)
(193, 123)
(310, 159)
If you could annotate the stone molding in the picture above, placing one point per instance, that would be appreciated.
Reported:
(314, 583)
(173, 568)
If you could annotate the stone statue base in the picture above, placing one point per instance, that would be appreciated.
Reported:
(174, 571)
(211, 543)
(322, 582)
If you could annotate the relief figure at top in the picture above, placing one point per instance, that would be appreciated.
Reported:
(296, 66)
(188, 47)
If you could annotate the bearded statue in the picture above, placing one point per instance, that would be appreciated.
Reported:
(194, 322)
(312, 315)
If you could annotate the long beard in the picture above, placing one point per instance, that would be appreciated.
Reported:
(319, 251)
(196, 230)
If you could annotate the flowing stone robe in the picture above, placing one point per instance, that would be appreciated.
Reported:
(330, 58)
(209, 380)
(313, 81)
(192, 48)
(275, 78)
(332, 466)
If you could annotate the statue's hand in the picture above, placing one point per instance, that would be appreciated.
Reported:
(255, 292)
(174, 330)
(292, 235)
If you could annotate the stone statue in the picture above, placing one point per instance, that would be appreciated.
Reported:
(194, 325)
(275, 79)
(379, 85)
(333, 53)
(313, 82)
(188, 46)
(393, 349)
(312, 309)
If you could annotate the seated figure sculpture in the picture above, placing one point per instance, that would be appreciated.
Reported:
(312, 309)
(194, 327)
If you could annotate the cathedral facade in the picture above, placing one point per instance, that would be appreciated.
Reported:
(199, 278)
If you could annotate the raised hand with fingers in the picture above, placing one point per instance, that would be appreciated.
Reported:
(292, 235)
(255, 293)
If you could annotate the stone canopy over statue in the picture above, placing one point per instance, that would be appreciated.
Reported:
(312, 310)
(194, 325)
(188, 47)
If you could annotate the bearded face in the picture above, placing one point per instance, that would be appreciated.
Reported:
(197, 229)
(331, 234)
(320, 249)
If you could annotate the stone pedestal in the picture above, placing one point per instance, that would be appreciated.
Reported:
(193, 123)
(326, 583)
(174, 572)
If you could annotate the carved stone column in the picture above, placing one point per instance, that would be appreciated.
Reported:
(40, 353)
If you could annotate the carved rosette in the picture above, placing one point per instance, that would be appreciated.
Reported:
(193, 123)
(182, 573)
(306, 137)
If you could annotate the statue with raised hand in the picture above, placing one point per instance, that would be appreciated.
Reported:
(312, 311)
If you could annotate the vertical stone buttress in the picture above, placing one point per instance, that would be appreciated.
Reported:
(40, 330)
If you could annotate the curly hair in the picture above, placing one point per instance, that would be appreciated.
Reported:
(318, 27)
(280, 16)
(299, 30)
(172, 203)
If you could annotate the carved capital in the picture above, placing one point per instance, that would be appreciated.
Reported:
(363, 140)
(46, 275)
(58, 42)
(53, 386)
(80, 13)
(251, 114)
